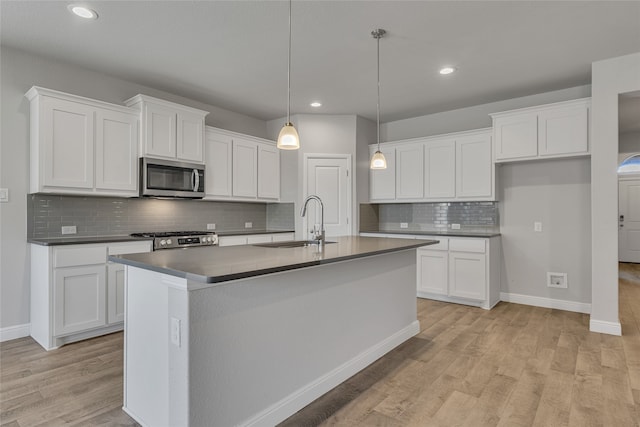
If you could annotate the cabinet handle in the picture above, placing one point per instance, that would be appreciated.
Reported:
(195, 179)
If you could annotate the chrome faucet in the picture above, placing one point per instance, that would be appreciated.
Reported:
(318, 233)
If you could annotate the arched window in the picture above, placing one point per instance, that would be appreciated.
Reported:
(630, 165)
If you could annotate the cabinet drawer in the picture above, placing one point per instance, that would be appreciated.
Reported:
(442, 245)
(468, 245)
(129, 248)
(259, 238)
(66, 257)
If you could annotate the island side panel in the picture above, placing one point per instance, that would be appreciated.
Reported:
(260, 349)
(155, 377)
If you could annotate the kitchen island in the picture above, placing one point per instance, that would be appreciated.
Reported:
(248, 335)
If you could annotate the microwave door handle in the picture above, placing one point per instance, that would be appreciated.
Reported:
(195, 180)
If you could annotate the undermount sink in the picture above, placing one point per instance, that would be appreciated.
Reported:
(289, 244)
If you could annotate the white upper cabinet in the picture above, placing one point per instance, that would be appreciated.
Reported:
(440, 169)
(547, 131)
(218, 155)
(116, 151)
(475, 171)
(241, 167)
(268, 172)
(563, 131)
(382, 182)
(409, 171)
(169, 130)
(82, 146)
(245, 169)
(453, 167)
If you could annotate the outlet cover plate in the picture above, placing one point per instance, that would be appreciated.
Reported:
(211, 226)
(557, 280)
(68, 229)
(248, 225)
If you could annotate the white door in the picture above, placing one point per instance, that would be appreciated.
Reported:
(329, 178)
(629, 220)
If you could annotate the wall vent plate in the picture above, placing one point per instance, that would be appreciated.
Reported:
(557, 280)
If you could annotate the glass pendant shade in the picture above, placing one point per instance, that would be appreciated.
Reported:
(288, 138)
(378, 160)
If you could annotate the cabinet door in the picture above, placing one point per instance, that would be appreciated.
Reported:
(218, 155)
(159, 131)
(259, 238)
(79, 299)
(115, 293)
(467, 275)
(283, 237)
(474, 167)
(382, 182)
(516, 137)
(68, 143)
(245, 168)
(563, 131)
(232, 240)
(433, 271)
(440, 169)
(409, 171)
(268, 172)
(190, 137)
(116, 151)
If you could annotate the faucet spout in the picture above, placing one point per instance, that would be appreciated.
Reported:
(318, 235)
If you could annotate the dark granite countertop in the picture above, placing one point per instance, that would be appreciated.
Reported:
(216, 264)
(448, 233)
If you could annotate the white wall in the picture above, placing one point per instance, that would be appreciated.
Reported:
(19, 71)
(609, 78)
(558, 194)
(319, 134)
(474, 117)
(628, 143)
(526, 193)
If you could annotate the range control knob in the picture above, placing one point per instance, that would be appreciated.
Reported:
(169, 241)
(163, 242)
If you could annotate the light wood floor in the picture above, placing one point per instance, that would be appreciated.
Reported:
(512, 366)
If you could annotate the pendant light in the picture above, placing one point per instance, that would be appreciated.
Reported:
(377, 160)
(288, 138)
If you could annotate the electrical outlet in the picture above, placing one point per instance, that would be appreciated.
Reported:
(537, 227)
(211, 226)
(68, 229)
(4, 195)
(404, 225)
(557, 280)
(248, 225)
(175, 331)
(455, 226)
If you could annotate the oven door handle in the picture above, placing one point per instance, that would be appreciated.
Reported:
(195, 180)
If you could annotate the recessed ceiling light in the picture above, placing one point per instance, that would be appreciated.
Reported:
(82, 11)
(316, 104)
(447, 70)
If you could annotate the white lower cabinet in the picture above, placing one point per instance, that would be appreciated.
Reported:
(79, 299)
(76, 293)
(460, 270)
(252, 239)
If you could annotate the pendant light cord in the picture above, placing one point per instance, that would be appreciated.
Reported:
(378, 104)
(289, 71)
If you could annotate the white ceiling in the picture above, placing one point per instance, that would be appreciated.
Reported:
(233, 53)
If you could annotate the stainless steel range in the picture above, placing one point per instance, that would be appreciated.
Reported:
(180, 239)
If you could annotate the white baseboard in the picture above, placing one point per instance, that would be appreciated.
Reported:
(13, 332)
(604, 327)
(578, 307)
(299, 399)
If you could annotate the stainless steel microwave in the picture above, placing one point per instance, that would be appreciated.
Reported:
(169, 178)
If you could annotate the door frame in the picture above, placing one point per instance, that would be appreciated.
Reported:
(350, 184)
(623, 178)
